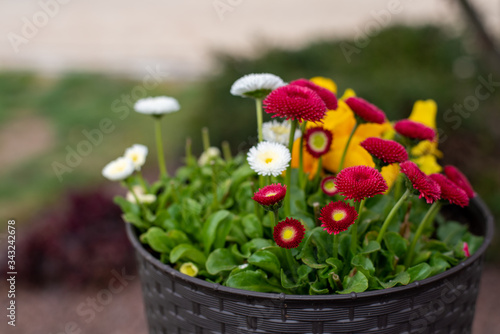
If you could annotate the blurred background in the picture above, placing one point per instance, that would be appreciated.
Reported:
(71, 70)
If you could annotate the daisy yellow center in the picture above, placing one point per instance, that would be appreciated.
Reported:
(134, 157)
(271, 194)
(288, 233)
(330, 186)
(267, 157)
(118, 168)
(318, 141)
(269, 160)
(338, 215)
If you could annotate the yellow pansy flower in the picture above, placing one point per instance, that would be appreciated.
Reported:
(325, 83)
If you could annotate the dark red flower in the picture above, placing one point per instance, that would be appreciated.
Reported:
(271, 196)
(450, 191)
(289, 233)
(388, 151)
(296, 103)
(318, 141)
(360, 182)
(459, 179)
(365, 110)
(328, 186)
(327, 96)
(414, 130)
(427, 187)
(337, 216)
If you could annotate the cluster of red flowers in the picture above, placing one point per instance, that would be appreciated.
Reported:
(388, 151)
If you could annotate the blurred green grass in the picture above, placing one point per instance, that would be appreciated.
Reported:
(397, 67)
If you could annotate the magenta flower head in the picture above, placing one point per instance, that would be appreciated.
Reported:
(327, 96)
(450, 191)
(387, 151)
(426, 187)
(289, 233)
(328, 186)
(271, 196)
(414, 130)
(318, 141)
(365, 111)
(459, 179)
(295, 103)
(337, 216)
(360, 182)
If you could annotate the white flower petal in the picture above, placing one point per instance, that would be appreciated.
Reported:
(118, 169)
(255, 82)
(157, 105)
(278, 132)
(141, 196)
(269, 158)
(208, 155)
(137, 153)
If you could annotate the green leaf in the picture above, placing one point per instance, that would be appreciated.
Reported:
(221, 260)
(438, 264)
(309, 259)
(396, 243)
(419, 272)
(361, 261)
(158, 240)
(336, 264)
(267, 261)
(371, 247)
(135, 220)
(254, 245)
(253, 281)
(402, 278)
(187, 252)
(303, 273)
(210, 228)
(288, 283)
(318, 288)
(344, 245)
(357, 283)
(126, 206)
(451, 232)
(252, 226)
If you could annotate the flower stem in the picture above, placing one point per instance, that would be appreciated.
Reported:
(341, 165)
(258, 104)
(142, 181)
(139, 203)
(428, 218)
(226, 151)
(391, 215)
(291, 263)
(288, 177)
(354, 229)
(319, 169)
(302, 176)
(275, 220)
(336, 245)
(159, 146)
(206, 139)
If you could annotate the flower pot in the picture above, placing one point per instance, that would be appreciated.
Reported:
(445, 303)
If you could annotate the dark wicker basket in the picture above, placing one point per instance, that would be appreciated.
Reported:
(445, 303)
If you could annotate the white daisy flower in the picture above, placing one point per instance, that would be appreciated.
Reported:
(141, 196)
(157, 105)
(269, 158)
(278, 132)
(118, 169)
(257, 86)
(137, 153)
(209, 155)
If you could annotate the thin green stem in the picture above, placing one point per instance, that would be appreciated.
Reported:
(226, 151)
(336, 245)
(319, 169)
(288, 177)
(159, 146)
(341, 165)
(391, 215)
(205, 135)
(258, 104)
(291, 263)
(302, 176)
(428, 218)
(275, 220)
(142, 181)
(354, 228)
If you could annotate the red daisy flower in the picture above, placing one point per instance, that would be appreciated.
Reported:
(271, 196)
(336, 217)
(466, 249)
(296, 103)
(364, 109)
(328, 186)
(327, 96)
(388, 151)
(450, 191)
(459, 179)
(360, 182)
(289, 233)
(427, 187)
(414, 130)
(318, 141)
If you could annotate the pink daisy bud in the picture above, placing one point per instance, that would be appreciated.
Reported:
(365, 110)
(466, 249)
(289, 233)
(427, 187)
(295, 103)
(337, 216)
(459, 179)
(450, 191)
(360, 182)
(271, 196)
(318, 141)
(388, 151)
(328, 186)
(327, 96)
(414, 130)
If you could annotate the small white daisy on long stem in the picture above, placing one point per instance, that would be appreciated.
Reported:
(119, 169)
(269, 158)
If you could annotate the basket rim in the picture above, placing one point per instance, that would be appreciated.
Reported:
(218, 288)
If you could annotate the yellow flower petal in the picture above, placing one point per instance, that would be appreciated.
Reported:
(325, 83)
(348, 93)
(428, 164)
(390, 174)
(424, 112)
